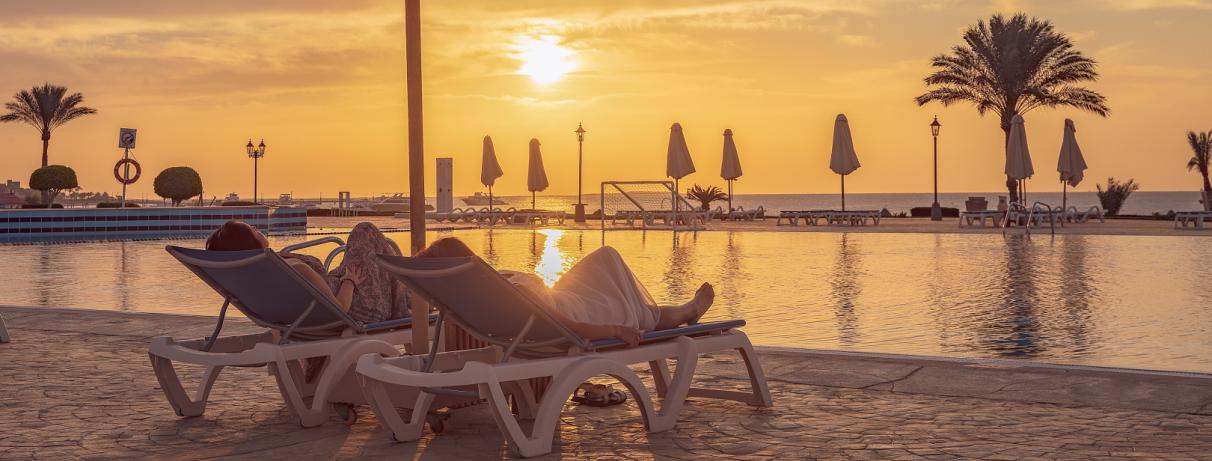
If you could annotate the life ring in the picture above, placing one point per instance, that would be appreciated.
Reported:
(118, 171)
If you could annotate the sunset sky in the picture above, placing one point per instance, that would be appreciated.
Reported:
(323, 83)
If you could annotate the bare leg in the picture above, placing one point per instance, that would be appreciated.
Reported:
(689, 313)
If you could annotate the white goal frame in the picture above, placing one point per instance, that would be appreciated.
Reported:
(677, 202)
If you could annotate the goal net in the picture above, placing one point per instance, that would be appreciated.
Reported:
(647, 204)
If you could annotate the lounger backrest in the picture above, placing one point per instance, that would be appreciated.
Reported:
(483, 300)
(264, 287)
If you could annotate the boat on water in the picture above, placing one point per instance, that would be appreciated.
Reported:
(232, 197)
(396, 203)
(480, 199)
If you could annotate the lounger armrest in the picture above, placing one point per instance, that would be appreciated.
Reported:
(664, 335)
(394, 324)
(312, 243)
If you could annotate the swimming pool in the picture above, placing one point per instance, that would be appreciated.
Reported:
(1103, 300)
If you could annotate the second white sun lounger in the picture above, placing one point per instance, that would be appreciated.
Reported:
(527, 343)
(300, 323)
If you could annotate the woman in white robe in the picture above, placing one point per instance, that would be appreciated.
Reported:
(599, 297)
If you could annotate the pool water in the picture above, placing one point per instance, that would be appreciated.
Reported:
(1140, 302)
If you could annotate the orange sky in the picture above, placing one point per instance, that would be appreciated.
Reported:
(324, 86)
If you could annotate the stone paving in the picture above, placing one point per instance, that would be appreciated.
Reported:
(77, 384)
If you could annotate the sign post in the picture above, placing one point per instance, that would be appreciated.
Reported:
(126, 141)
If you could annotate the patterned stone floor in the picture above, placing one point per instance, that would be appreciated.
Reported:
(66, 393)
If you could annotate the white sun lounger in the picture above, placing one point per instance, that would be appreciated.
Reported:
(1195, 218)
(301, 323)
(969, 217)
(527, 343)
(1072, 214)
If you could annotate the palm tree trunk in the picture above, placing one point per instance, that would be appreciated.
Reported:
(46, 197)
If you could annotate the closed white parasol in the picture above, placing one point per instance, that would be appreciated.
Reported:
(843, 160)
(730, 170)
(1018, 156)
(536, 177)
(1071, 165)
(490, 169)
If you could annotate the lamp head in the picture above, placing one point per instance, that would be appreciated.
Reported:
(934, 126)
(580, 132)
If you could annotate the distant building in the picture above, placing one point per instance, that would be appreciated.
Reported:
(13, 188)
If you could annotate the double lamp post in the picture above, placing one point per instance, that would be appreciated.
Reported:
(255, 153)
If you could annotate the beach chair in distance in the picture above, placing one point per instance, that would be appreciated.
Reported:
(301, 323)
(1195, 218)
(1072, 214)
(525, 343)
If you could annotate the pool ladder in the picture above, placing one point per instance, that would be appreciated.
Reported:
(1040, 207)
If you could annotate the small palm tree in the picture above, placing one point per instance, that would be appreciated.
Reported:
(705, 195)
(1011, 66)
(45, 108)
(1113, 197)
(1201, 144)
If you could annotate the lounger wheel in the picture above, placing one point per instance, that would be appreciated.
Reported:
(347, 412)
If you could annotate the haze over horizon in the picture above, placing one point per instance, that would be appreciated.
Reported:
(324, 87)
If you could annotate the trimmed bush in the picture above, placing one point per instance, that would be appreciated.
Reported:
(53, 179)
(178, 183)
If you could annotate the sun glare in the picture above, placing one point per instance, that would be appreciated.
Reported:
(544, 60)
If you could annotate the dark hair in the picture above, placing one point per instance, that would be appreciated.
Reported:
(448, 247)
(236, 236)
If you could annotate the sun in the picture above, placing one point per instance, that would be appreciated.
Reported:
(543, 59)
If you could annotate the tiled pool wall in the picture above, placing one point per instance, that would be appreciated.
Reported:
(88, 223)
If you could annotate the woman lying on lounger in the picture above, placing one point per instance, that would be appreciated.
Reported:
(360, 287)
(597, 298)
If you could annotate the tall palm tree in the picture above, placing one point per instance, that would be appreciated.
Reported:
(1201, 144)
(45, 108)
(1011, 66)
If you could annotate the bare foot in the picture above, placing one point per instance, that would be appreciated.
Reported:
(703, 298)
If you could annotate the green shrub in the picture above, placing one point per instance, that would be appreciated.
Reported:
(1113, 197)
(53, 179)
(178, 183)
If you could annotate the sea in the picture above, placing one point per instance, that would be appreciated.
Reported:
(1139, 203)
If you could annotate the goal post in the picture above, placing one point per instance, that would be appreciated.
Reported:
(644, 204)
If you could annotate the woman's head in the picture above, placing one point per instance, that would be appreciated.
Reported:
(448, 247)
(236, 236)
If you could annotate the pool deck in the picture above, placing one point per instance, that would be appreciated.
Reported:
(77, 384)
(1139, 227)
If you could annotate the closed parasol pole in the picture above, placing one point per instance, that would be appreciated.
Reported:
(416, 143)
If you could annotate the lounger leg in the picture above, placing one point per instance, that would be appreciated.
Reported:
(679, 387)
(660, 376)
(170, 383)
(379, 398)
(4, 337)
(291, 386)
(562, 387)
(336, 368)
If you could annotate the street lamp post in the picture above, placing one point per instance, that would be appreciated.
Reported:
(579, 214)
(936, 212)
(255, 153)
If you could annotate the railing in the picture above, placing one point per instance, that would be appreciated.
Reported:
(1031, 213)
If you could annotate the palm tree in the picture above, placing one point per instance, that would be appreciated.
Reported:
(705, 195)
(1011, 66)
(1201, 144)
(45, 108)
